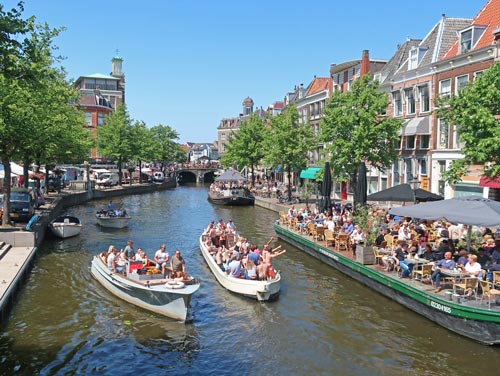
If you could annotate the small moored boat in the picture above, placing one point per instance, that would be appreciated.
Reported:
(104, 219)
(65, 226)
(260, 290)
(146, 288)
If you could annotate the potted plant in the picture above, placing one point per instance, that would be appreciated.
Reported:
(370, 224)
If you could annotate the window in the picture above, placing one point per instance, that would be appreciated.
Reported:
(396, 174)
(423, 92)
(222, 136)
(410, 101)
(398, 105)
(397, 144)
(443, 134)
(445, 88)
(423, 167)
(100, 118)
(88, 118)
(410, 142)
(466, 41)
(460, 83)
(424, 141)
(413, 60)
(477, 74)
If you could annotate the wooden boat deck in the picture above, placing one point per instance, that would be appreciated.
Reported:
(426, 286)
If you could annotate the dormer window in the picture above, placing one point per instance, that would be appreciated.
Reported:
(469, 38)
(416, 55)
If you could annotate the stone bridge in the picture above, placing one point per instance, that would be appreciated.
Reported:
(196, 174)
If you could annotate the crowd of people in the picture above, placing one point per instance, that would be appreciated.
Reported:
(440, 242)
(236, 256)
(112, 212)
(173, 267)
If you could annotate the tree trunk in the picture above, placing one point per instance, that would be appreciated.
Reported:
(289, 176)
(120, 171)
(26, 177)
(6, 191)
(354, 187)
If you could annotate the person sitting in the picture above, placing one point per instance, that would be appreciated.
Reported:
(401, 253)
(427, 252)
(439, 253)
(445, 263)
(462, 257)
(483, 258)
(140, 255)
(120, 262)
(234, 267)
(473, 267)
(161, 258)
(348, 226)
(111, 257)
(250, 270)
(178, 265)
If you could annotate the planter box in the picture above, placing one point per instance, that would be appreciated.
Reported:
(364, 255)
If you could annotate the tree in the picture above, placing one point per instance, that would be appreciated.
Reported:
(141, 146)
(25, 68)
(163, 139)
(114, 139)
(287, 141)
(246, 147)
(354, 132)
(474, 112)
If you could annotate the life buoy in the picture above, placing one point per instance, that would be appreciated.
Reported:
(174, 285)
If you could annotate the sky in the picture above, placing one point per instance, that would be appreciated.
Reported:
(188, 64)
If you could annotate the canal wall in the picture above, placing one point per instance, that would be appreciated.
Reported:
(18, 246)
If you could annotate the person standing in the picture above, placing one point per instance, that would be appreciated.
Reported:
(129, 250)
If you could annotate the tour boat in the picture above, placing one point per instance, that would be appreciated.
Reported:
(110, 221)
(471, 318)
(65, 226)
(234, 197)
(148, 290)
(260, 290)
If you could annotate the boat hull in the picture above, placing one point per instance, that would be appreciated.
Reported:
(113, 222)
(260, 290)
(482, 325)
(65, 227)
(157, 298)
(235, 199)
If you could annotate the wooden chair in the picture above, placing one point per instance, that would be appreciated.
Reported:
(424, 272)
(320, 233)
(488, 291)
(468, 286)
(342, 243)
(378, 256)
(311, 229)
(329, 237)
(496, 278)
(389, 241)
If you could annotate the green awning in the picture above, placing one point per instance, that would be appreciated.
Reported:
(310, 173)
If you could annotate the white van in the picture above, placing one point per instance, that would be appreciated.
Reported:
(107, 179)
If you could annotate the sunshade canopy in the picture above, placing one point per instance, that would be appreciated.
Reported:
(403, 193)
(310, 173)
(230, 175)
(468, 210)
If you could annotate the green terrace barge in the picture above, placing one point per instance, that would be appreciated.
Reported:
(473, 317)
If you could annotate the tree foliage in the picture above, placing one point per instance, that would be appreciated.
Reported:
(353, 131)
(287, 142)
(163, 140)
(246, 147)
(474, 112)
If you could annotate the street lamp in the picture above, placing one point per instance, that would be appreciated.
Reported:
(414, 184)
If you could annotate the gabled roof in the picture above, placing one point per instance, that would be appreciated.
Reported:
(318, 84)
(336, 68)
(399, 58)
(488, 16)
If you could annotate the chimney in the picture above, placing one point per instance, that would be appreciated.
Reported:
(365, 64)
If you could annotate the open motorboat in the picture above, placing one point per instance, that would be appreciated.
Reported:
(112, 220)
(146, 287)
(65, 226)
(260, 290)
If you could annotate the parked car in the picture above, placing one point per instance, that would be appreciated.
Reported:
(22, 204)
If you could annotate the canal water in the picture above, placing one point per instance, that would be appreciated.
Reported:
(324, 323)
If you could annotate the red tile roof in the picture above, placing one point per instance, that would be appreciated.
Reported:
(319, 84)
(488, 16)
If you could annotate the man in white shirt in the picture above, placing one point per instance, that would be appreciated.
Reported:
(161, 258)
